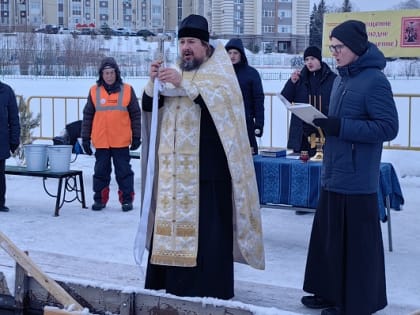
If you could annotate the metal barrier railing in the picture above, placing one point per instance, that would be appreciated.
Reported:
(57, 111)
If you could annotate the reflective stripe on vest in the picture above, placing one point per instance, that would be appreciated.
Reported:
(119, 106)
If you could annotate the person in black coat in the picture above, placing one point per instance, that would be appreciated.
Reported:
(252, 91)
(312, 84)
(345, 268)
(9, 134)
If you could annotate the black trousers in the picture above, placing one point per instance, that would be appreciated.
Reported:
(2, 183)
(123, 174)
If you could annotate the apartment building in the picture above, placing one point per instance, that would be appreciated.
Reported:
(271, 25)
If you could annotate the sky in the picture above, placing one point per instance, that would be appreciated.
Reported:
(364, 5)
(108, 235)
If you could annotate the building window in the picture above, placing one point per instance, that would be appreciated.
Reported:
(285, 14)
(284, 28)
(268, 13)
(238, 29)
(239, 15)
(268, 28)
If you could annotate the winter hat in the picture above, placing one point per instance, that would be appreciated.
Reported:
(236, 43)
(109, 63)
(314, 52)
(194, 26)
(353, 34)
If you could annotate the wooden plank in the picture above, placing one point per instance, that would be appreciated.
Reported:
(97, 300)
(48, 283)
(21, 289)
(50, 310)
(148, 304)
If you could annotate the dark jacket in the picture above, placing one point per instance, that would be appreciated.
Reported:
(9, 120)
(313, 88)
(252, 92)
(362, 98)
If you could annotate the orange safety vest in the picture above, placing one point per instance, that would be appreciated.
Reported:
(111, 127)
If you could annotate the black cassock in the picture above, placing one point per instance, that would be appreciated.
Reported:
(213, 275)
(345, 263)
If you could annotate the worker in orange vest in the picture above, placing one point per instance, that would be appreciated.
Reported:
(112, 124)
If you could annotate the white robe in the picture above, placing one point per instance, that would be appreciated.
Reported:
(174, 210)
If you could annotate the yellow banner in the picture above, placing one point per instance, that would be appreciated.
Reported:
(396, 33)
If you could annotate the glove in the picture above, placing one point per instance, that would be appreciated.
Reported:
(308, 129)
(258, 131)
(135, 144)
(13, 147)
(86, 146)
(330, 126)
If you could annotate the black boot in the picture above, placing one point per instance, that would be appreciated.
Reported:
(98, 206)
(4, 209)
(315, 301)
(127, 206)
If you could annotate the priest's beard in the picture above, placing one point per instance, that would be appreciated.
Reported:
(189, 65)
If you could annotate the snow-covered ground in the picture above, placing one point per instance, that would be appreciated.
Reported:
(108, 235)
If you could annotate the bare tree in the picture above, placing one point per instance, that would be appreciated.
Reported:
(347, 6)
(24, 51)
(409, 4)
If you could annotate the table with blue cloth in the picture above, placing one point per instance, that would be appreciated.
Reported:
(289, 183)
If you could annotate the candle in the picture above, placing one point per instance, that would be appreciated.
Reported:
(320, 104)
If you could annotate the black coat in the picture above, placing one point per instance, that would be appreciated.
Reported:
(314, 88)
(9, 120)
(252, 92)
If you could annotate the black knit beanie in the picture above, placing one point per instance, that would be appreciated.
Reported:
(314, 52)
(194, 26)
(353, 34)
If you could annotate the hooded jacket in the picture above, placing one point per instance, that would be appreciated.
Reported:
(363, 100)
(252, 91)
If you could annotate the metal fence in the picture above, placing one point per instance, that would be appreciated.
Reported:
(57, 111)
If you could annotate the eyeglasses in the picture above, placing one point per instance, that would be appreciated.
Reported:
(336, 48)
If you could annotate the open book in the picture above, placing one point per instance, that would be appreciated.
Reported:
(304, 111)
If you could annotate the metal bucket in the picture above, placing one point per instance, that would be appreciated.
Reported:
(35, 156)
(59, 157)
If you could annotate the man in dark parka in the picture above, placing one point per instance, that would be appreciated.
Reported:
(9, 134)
(252, 91)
